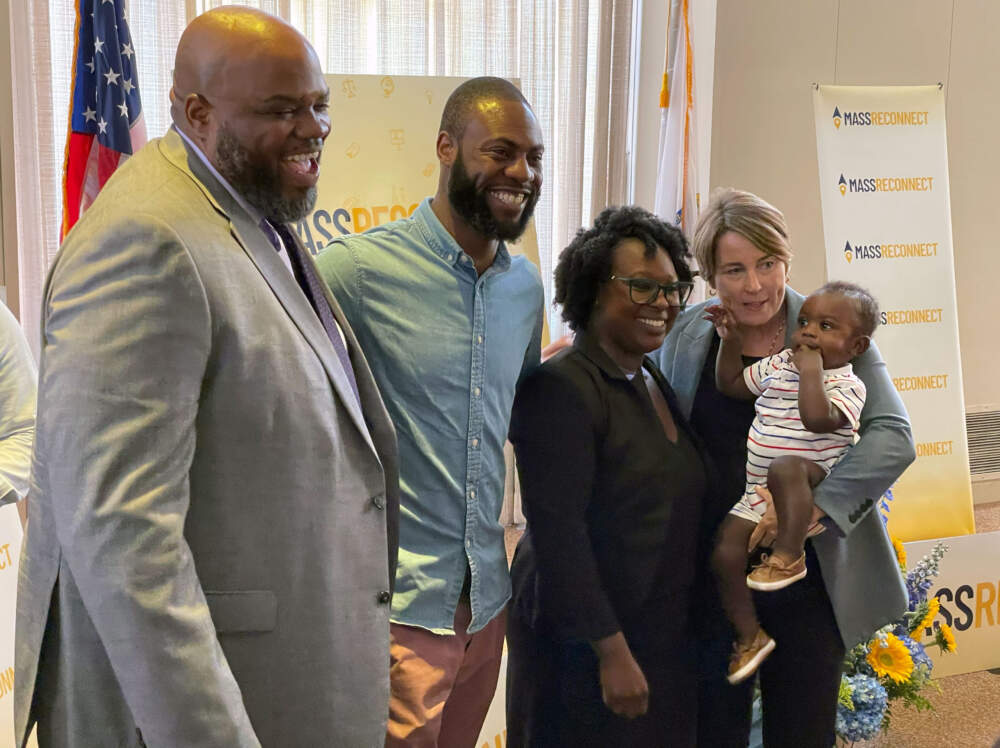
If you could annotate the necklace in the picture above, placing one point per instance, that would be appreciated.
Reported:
(771, 350)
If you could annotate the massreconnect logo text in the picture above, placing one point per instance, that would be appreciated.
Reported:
(885, 184)
(926, 316)
(922, 382)
(878, 119)
(889, 250)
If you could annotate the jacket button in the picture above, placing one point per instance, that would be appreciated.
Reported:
(379, 501)
(384, 597)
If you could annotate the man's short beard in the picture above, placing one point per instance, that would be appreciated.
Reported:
(470, 203)
(257, 184)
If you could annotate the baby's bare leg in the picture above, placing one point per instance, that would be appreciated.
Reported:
(791, 480)
(729, 562)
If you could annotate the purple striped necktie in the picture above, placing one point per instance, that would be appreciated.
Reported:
(312, 287)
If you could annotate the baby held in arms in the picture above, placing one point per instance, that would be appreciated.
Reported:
(808, 410)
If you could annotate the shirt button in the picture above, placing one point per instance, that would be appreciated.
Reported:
(475, 442)
(384, 597)
(479, 339)
(472, 493)
(477, 392)
(379, 501)
(468, 543)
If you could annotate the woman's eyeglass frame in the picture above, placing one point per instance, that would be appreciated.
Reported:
(647, 291)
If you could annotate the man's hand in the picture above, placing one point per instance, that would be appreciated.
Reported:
(725, 323)
(766, 530)
(623, 685)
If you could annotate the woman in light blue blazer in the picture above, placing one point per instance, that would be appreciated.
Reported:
(853, 586)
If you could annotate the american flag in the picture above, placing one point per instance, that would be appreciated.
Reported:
(106, 124)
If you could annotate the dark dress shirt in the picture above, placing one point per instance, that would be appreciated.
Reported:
(607, 496)
(613, 509)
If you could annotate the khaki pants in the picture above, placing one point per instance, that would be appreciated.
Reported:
(442, 685)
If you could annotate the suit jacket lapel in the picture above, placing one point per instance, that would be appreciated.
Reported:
(262, 253)
(319, 340)
(793, 305)
(696, 339)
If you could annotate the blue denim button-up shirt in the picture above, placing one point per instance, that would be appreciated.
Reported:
(447, 348)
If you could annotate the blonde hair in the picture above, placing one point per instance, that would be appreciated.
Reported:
(744, 213)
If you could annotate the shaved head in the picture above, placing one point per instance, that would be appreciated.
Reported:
(249, 92)
(474, 96)
(217, 48)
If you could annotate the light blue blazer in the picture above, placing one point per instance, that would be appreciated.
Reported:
(859, 565)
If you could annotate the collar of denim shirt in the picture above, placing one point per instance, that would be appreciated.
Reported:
(444, 245)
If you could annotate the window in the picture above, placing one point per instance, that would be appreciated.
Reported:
(571, 56)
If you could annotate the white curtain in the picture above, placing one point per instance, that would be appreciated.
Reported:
(572, 58)
(41, 52)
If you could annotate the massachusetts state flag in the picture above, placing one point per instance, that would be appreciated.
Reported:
(106, 124)
(677, 196)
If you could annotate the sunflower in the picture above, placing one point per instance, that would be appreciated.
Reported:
(890, 657)
(944, 638)
(933, 608)
(900, 552)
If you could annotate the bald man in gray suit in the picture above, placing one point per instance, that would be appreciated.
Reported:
(212, 530)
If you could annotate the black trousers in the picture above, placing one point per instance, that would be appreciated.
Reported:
(799, 682)
(554, 693)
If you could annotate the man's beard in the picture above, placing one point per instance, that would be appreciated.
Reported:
(470, 203)
(257, 183)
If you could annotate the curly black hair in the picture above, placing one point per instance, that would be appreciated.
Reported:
(586, 262)
(864, 304)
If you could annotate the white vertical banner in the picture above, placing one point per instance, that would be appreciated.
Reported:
(883, 173)
(10, 553)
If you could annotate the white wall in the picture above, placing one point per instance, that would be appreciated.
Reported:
(756, 61)
(769, 52)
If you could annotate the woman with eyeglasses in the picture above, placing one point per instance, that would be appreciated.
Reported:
(852, 586)
(612, 482)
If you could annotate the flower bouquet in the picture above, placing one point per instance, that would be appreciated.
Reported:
(893, 667)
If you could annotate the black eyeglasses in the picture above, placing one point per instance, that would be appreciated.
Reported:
(647, 290)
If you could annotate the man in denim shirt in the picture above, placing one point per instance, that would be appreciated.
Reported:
(449, 322)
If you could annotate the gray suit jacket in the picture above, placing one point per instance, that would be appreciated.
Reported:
(212, 528)
(859, 565)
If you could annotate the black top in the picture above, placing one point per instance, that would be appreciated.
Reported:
(613, 506)
(722, 423)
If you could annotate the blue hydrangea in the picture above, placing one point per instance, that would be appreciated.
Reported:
(920, 578)
(869, 699)
(920, 659)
